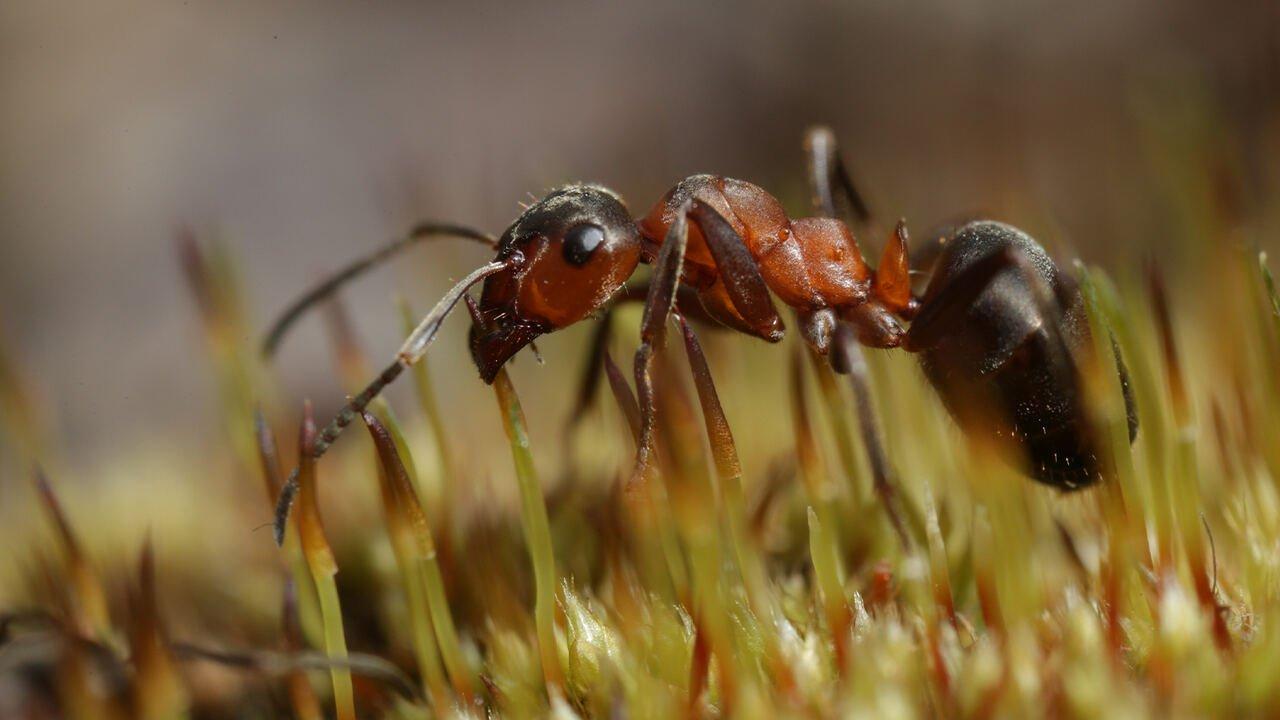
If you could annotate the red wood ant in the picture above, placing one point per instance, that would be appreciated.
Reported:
(999, 327)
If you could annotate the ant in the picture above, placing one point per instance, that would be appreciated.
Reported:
(999, 327)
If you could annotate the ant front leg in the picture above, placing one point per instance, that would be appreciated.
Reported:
(687, 304)
(653, 333)
(742, 280)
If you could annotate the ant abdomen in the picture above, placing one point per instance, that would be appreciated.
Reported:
(1008, 368)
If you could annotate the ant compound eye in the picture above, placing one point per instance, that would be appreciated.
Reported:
(581, 241)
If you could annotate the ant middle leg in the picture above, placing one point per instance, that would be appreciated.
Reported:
(739, 272)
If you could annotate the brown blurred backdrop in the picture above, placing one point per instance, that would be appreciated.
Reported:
(304, 133)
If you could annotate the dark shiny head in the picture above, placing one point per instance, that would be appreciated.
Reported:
(568, 254)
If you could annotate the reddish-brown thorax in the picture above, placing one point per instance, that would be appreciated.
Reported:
(809, 263)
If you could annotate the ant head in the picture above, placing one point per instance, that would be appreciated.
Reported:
(566, 255)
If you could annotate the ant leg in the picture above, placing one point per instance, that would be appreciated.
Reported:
(739, 271)
(875, 326)
(413, 350)
(874, 321)
(653, 332)
(816, 328)
(847, 359)
(723, 449)
(742, 280)
(622, 393)
(590, 381)
(827, 173)
(421, 231)
(588, 386)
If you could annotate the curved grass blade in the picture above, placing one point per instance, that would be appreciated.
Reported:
(89, 600)
(415, 550)
(319, 556)
(537, 530)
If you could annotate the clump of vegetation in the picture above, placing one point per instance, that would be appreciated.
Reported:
(722, 584)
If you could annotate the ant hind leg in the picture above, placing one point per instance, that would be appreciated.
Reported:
(871, 323)
(875, 325)
(847, 359)
(828, 175)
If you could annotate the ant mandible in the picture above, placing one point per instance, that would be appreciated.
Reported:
(999, 328)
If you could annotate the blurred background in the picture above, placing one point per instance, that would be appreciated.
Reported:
(304, 134)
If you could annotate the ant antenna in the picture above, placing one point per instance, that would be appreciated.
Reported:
(411, 352)
(325, 288)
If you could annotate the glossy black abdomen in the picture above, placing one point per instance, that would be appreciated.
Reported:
(1001, 370)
